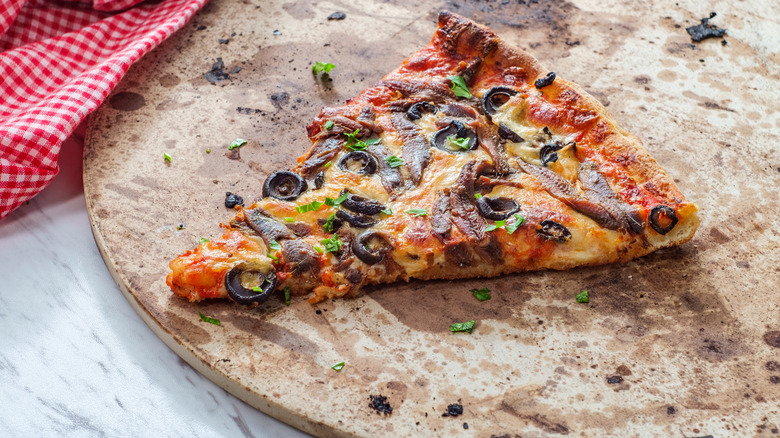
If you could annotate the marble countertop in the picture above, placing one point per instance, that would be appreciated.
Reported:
(75, 359)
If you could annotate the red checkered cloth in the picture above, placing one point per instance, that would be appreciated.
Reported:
(59, 60)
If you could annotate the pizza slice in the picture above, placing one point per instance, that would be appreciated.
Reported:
(469, 160)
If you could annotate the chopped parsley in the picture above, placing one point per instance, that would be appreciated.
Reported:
(273, 246)
(311, 206)
(332, 244)
(329, 124)
(209, 320)
(289, 219)
(287, 295)
(460, 142)
(338, 366)
(477, 195)
(519, 220)
(394, 161)
(582, 297)
(328, 164)
(481, 294)
(328, 225)
(463, 326)
(203, 240)
(459, 87)
(387, 211)
(495, 225)
(318, 249)
(167, 157)
(320, 67)
(330, 202)
(355, 144)
(418, 212)
(237, 143)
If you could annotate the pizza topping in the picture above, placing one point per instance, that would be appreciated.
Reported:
(597, 190)
(321, 153)
(496, 97)
(416, 151)
(359, 204)
(360, 162)
(454, 109)
(392, 181)
(269, 229)
(497, 209)
(552, 230)
(371, 247)
(357, 220)
(284, 185)
(662, 219)
(507, 134)
(394, 161)
(513, 226)
(458, 87)
(441, 221)
(332, 244)
(549, 153)
(319, 180)
(465, 139)
(330, 224)
(545, 81)
(259, 285)
(415, 112)
(300, 258)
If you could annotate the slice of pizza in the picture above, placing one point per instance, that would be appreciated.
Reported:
(469, 160)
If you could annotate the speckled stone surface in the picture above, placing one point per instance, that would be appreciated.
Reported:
(693, 332)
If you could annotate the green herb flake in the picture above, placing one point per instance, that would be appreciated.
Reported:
(167, 157)
(320, 67)
(203, 240)
(289, 219)
(387, 211)
(462, 143)
(459, 87)
(582, 297)
(237, 143)
(418, 212)
(394, 161)
(208, 151)
(287, 295)
(275, 245)
(332, 244)
(519, 220)
(372, 141)
(463, 326)
(481, 294)
(311, 206)
(180, 227)
(329, 125)
(209, 320)
(477, 195)
(272, 257)
(330, 202)
(328, 164)
(490, 227)
(318, 249)
(328, 225)
(338, 366)
(353, 143)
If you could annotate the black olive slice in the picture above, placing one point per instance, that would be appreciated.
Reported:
(655, 215)
(319, 180)
(507, 134)
(545, 81)
(360, 162)
(553, 231)
(415, 111)
(497, 209)
(359, 204)
(549, 153)
(458, 130)
(284, 185)
(357, 220)
(238, 276)
(371, 247)
(495, 98)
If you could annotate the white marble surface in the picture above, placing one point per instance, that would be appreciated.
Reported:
(75, 359)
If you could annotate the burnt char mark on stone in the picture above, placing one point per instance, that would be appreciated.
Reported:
(705, 30)
(379, 404)
(772, 338)
(217, 72)
(537, 419)
(276, 334)
(127, 101)
(278, 100)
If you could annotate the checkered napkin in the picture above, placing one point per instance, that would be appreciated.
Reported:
(59, 59)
